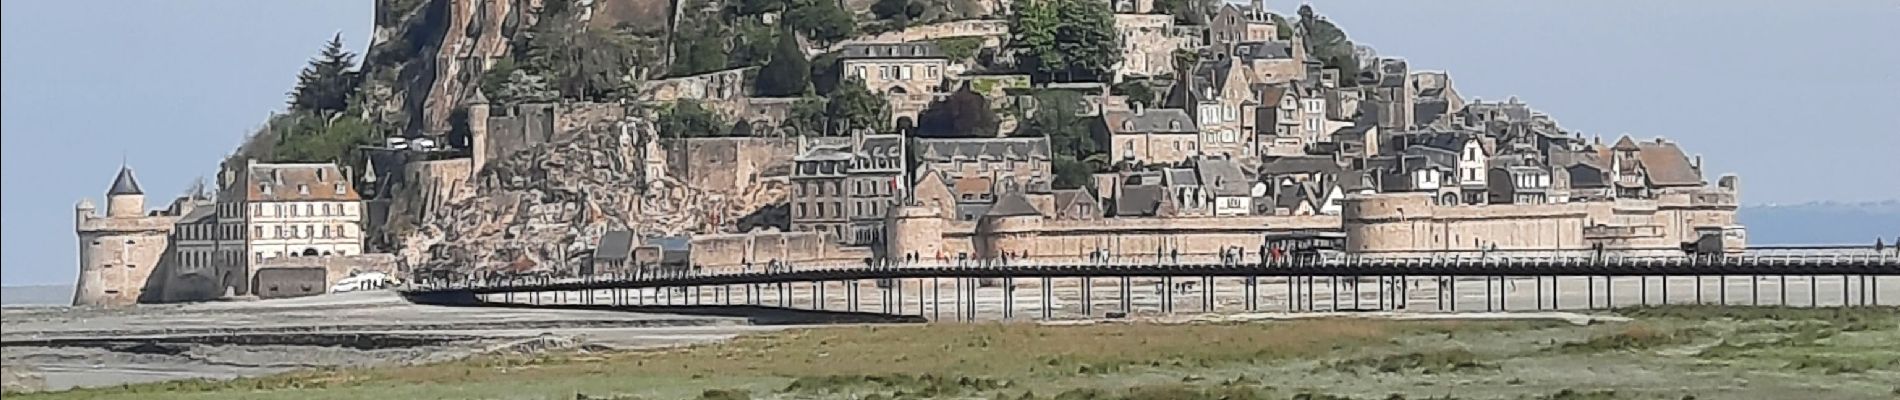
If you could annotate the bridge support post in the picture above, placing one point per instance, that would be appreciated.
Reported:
(1645, 288)
(1555, 293)
(1207, 293)
(1698, 290)
(851, 295)
(1253, 293)
(1609, 292)
(1489, 305)
(936, 302)
(1540, 293)
(1783, 286)
(1125, 297)
(1754, 290)
(896, 293)
(1354, 282)
(1845, 291)
(1292, 292)
(818, 295)
(1009, 298)
(1665, 289)
(960, 314)
(1086, 282)
(1045, 298)
(1333, 281)
(1167, 294)
(1722, 289)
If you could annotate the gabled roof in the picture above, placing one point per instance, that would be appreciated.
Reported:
(1298, 165)
(1272, 50)
(1149, 121)
(1223, 176)
(298, 182)
(1625, 144)
(1586, 176)
(1013, 204)
(911, 50)
(1667, 166)
(125, 183)
(1010, 148)
(1140, 200)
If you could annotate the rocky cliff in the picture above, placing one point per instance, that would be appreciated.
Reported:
(544, 209)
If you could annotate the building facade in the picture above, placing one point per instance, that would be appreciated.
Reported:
(120, 252)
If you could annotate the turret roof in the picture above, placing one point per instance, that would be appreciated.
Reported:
(125, 184)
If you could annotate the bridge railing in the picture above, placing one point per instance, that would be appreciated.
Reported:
(1751, 259)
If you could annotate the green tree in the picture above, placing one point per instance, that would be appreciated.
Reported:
(1187, 12)
(962, 114)
(1138, 91)
(821, 20)
(328, 82)
(1328, 43)
(857, 108)
(807, 117)
(899, 12)
(825, 73)
(1056, 117)
(309, 136)
(700, 50)
(788, 74)
(688, 118)
(1067, 40)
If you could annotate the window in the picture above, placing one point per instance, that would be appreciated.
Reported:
(277, 210)
(800, 211)
(309, 210)
(303, 189)
(309, 231)
(280, 232)
(931, 72)
(858, 72)
(326, 209)
(260, 232)
(326, 232)
(264, 187)
(340, 189)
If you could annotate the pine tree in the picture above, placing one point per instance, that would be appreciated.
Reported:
(788, 73)
(328, 82)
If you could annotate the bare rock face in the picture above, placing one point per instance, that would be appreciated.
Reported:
(543, 210)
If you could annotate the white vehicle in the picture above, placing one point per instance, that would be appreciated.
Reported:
(367, 281)
(424, 143)
(396, 143)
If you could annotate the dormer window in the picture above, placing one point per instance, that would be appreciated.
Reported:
(1174, 125)
(264, 187)
(303, 190)
(1128, 125)
(340, 189)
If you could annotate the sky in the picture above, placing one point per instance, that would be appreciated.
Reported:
(1801, 98)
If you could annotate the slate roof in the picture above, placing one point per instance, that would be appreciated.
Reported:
(1181, 177)
(1223, 176)
(125, 183)
(1168, 120)
(1298, 165)
(614, 246)
(1586, 176)
(1270, 50)
(883, 146)
(1012, 148)
(911, 50)
(320, 182)
(203, 212)
(1667, 166)
(1068, 197)
(1013, 204)
(1425, 112)
(1140, 200)
(1625, 144)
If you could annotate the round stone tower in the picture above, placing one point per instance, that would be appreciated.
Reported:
(1009, 229)
(119, 252)
(1387, 222)
(125, 199)
(914, 229)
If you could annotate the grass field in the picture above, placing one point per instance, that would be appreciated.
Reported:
(1664, 353)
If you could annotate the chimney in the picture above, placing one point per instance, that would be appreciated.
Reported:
(277, 176)
(1139, 109)
(1697, 162)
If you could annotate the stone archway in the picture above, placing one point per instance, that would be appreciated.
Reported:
(309, 252)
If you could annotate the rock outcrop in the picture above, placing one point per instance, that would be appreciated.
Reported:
(542, 210)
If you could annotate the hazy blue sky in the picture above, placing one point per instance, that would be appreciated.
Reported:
(1800, 97)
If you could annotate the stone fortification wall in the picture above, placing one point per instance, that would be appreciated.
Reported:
(337, 267)
(1412, 223)
(760, 248)
(430, 186)
(1054, 240)
(728, 165)
(993, 29)
(118, 258)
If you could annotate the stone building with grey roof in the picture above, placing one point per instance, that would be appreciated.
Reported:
(1141, 135)
(845, 186)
